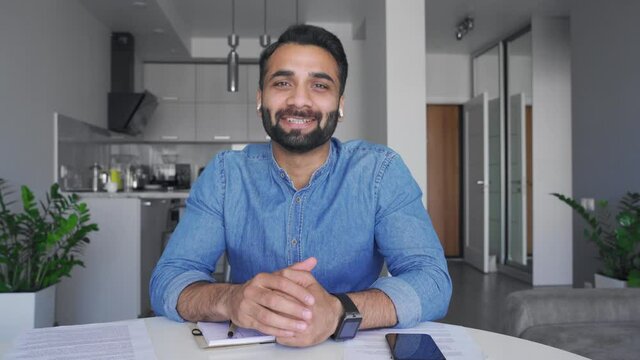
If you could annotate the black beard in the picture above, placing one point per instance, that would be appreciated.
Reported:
(295, 141)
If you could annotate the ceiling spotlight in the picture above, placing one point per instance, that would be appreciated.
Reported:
(464, 27)
(139, 3)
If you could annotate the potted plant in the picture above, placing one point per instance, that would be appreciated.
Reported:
(617, 238)
(38, 246)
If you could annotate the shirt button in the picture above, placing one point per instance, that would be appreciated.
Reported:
(298, 200)
(294, 242)
(282, 175)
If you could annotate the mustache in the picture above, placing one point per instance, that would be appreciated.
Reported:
(292, 111)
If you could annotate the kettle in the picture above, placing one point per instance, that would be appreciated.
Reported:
(138, 178)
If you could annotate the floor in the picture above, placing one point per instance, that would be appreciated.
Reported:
(478, 298)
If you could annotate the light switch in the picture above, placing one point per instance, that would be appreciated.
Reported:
(588, 203)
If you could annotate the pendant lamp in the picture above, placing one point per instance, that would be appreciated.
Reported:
(265, 39)
(233, 58)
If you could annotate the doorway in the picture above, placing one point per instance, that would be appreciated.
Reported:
(444, 174)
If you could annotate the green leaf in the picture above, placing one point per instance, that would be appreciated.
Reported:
(40, 244)
(634, 278)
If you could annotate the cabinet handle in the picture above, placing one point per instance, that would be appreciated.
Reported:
(169, 137)
(222, 137)
(146, 203)
(170, 98)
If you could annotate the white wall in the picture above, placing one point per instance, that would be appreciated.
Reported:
(605, 80)
(406, 88)
(55, 57)
(552, 228)
(374, 70)
(448, 78)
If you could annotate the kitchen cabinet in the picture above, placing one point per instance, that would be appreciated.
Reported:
(221, 122)
(172, 121)
(211, 84)
(208, 113)
(171, 82)
(119, 260)
(255, 130)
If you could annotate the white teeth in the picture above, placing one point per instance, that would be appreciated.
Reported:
(298, 121)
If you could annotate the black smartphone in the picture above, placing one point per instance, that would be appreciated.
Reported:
(413, 347)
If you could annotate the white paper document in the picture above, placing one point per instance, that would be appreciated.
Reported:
(118, 340)
(454, 342)
(215, 334)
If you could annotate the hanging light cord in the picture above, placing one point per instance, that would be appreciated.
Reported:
(265, 16)
(233, 16)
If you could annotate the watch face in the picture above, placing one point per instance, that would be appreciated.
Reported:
(349, 328)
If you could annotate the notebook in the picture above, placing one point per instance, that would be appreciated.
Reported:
(215, 334)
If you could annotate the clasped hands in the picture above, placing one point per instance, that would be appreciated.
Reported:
(289, 304)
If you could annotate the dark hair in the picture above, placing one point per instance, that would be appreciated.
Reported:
(308, 35)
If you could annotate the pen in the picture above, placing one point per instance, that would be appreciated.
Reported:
(232, 329)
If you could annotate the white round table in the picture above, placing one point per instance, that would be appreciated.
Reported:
(172, 340)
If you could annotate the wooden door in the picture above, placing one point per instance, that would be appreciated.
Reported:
(443, 172)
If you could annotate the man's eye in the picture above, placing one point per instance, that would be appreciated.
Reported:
(281, 84)
(320, 86)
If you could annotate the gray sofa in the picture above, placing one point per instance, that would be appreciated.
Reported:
(595, 323)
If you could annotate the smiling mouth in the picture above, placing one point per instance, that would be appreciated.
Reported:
(298, 121)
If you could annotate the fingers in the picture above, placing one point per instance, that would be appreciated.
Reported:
(285, 281)
(305, 265)
(299, 277)
(273, 304)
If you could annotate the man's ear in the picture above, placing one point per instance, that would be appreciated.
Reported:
(259, 100)
(341, 106)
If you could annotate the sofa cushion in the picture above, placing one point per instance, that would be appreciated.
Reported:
(597, 340)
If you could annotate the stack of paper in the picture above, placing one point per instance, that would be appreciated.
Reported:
(215, 334)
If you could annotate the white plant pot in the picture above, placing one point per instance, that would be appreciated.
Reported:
(605, 282)
(23, 311)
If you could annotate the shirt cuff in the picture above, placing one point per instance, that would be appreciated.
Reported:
(175, 288)
(404, 298)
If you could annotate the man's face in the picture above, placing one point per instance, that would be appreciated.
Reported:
(300, 100)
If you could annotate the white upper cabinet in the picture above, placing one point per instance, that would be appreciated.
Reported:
(255, 130)
(194, 104)
(172, 121)
(211, 84)
(171, 82)
(221, 122)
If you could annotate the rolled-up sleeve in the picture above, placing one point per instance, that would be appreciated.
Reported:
(420, 286)
(195, 245)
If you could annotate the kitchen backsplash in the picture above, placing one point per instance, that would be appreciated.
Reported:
(80, 145)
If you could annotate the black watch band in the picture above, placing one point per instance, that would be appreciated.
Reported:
(350, 320)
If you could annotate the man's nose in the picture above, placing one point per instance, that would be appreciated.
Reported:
(300, 97)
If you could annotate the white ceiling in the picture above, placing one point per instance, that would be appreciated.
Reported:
(180, 20)
(494, 20)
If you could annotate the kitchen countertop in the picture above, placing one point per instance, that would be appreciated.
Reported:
(175, 194)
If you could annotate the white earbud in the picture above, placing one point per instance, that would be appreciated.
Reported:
(341, 113)
(259, 107)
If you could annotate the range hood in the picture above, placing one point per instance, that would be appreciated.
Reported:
(128, 112)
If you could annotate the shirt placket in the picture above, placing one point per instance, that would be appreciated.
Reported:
(296, 223)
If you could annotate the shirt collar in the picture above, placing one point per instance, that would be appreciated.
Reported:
(319, 175)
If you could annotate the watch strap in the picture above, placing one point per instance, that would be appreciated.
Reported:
(347, 303)
(350, 310)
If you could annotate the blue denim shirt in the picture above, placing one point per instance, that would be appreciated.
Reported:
(360, 209)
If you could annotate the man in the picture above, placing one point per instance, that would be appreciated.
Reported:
(303, 218)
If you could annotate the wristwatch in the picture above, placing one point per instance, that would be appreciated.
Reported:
(350, 320)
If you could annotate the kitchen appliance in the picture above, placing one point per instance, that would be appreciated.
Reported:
(171, 176)
(128, 112)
